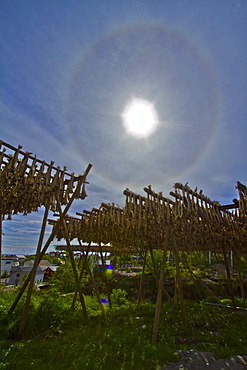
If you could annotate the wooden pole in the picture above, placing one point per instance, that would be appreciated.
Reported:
(179, 282)
(197, 278)
(96, 291)
(71, 256)
(228, 273)
(152, 257)
(25, 283)
(157, 281)
(33, 272)
(80, 278)
(106, 280)
(142, 279)
(159, 295)
(240, 277)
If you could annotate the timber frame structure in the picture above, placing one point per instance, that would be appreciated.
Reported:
(26, 184)
(189, 221)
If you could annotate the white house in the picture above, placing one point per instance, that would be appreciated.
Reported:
(20, 257)
(18, 273)
(6, 265)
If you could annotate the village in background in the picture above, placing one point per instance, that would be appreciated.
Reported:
(15, 267)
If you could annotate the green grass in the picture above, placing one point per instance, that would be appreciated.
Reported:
(58, 338)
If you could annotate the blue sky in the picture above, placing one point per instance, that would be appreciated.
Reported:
(70, 67)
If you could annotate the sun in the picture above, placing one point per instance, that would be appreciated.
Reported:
(140, 118)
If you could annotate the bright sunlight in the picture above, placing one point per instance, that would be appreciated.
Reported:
(140, 118)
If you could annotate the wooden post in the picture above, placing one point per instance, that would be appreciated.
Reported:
(78, 285)
(25, 283)
(240, 277)
(197, 278)
(179, 282)
(229, 277)
(159, 295)
(210, 257)
(33, 272)
(152, 257)
(157, 281)
(105, 279)
(80, 278)
(142, 278)
(231, 259)
(96, 291)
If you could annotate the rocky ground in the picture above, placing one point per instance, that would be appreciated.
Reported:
(196, 360)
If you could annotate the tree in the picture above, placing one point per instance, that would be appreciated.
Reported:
(63, 279)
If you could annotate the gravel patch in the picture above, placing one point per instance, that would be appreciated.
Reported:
(196, 360)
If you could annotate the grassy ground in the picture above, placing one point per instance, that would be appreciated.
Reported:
(58, 338)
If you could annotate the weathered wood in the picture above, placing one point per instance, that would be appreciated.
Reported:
(142, 278)
(96, 290)
(210, 293)
(179, 282)
(83, 268)
(72, 260)
(240, 277)
(46, 246)
(228, 206)
(38, 160)
(224, 306)
(197, 221)
(157, 281)
(105, 279)
(159, 295)
(33, 272)
(228, 274)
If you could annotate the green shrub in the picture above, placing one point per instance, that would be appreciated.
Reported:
(119, 297)
(64, 280)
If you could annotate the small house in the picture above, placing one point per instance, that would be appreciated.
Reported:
(6, 265)
(20, 257)
(49, 272)
(19, 272)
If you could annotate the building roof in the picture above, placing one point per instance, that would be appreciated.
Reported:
(43, 263)
(53, 268)
(20, 256)
(26, 269)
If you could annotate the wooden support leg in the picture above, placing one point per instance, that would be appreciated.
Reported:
(152, 258)
(157, 281)
(33, 272)
(197, 278)
(179, 282)
(96, 291)
(80, 278)
(240, 277)
(78, 285)
(228, 273)
(159, 297)
(142, 279)
(106, 280)
(25, 283)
